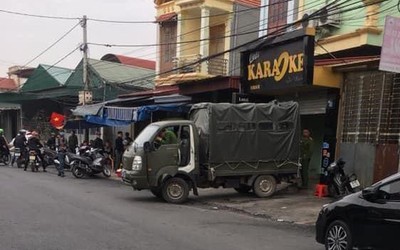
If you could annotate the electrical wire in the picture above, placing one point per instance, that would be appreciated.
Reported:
(189, 18)
(128, 22)
(53, 44)
(38, 16)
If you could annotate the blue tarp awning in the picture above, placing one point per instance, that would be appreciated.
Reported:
(144, 112)
(104, 121)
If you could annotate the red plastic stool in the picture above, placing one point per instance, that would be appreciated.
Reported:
(321, 190)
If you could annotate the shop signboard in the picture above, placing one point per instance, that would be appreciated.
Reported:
(281, 63)
(390, 53)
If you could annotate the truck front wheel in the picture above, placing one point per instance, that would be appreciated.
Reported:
(175, 190)
(157, 192)
(264, 186)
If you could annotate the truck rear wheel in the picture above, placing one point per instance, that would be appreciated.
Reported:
(264, 186)
(175, 190)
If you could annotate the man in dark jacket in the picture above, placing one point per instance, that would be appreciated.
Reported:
(72, 142)
(98, 142)
(51, 142)
(20, 142)
(119, 150)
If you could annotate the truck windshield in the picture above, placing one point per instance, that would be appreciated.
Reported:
(145, 135)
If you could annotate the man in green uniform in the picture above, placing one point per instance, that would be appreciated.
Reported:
(306, 150)
(167, 136)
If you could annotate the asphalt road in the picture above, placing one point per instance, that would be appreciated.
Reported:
(43, 211)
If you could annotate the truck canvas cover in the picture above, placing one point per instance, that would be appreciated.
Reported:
(247, 132)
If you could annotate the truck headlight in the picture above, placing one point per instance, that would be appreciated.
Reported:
(137, 163)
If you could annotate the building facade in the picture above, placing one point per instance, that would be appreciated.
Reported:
(194, 36)
(349, 40)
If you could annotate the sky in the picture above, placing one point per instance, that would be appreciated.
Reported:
(23, 38)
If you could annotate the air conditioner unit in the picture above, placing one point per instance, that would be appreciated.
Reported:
(328, 16)
(309, 20)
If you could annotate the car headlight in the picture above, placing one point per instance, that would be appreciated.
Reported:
(137, 163)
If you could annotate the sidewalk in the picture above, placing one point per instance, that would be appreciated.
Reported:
(300, 207)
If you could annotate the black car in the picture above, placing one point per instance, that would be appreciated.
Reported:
(367, 219)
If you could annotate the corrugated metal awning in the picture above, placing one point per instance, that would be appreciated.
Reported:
(9, 106)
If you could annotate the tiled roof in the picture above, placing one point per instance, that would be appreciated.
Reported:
(251, 3)
(166, 17)
(114, 74)
(46, 77)
(7, 84)
(132, 61)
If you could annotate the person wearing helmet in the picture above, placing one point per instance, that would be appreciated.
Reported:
(35, 144)
(20, 142)
(4, 150)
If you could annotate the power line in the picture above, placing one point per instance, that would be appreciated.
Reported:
(53, 44)
(189, 18)
(39, 16)
(128, 21)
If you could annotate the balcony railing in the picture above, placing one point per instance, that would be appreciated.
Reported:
(189, 64)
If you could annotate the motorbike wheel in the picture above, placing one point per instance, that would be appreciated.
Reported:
(32, 166)
(107, 171)
(77, 171)
(7, 159)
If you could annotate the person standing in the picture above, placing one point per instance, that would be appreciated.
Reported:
(51, 142)
(98, 142)
(119, 150)
(72, 142)
(61, 152)
(306, 150)
(128, 139)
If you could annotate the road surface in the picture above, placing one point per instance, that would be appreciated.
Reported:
(44, 211)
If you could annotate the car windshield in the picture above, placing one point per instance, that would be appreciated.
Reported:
(387, 179)
(145, 135)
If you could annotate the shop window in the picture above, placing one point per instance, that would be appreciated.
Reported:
(266, 126)
(236, 126)
(284, 126)
(277, 14)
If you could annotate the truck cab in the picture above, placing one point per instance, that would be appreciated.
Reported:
(163, 153)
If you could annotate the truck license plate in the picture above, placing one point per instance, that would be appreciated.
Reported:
(17, 154)
(32, 157)
(355, 184)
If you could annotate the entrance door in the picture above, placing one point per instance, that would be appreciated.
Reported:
(165, 153)
(217, 65)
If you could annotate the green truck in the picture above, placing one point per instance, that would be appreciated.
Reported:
(242, 146)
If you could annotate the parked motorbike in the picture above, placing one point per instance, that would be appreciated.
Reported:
(67, 160)
(5, 158)
(49, 156)
(34, 161)
(339, 183)
(20, 157)
(90, 163)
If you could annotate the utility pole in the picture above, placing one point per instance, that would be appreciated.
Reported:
(84, 50)
(85, 96)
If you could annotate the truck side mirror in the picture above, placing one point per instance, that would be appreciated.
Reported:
(147, 147)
